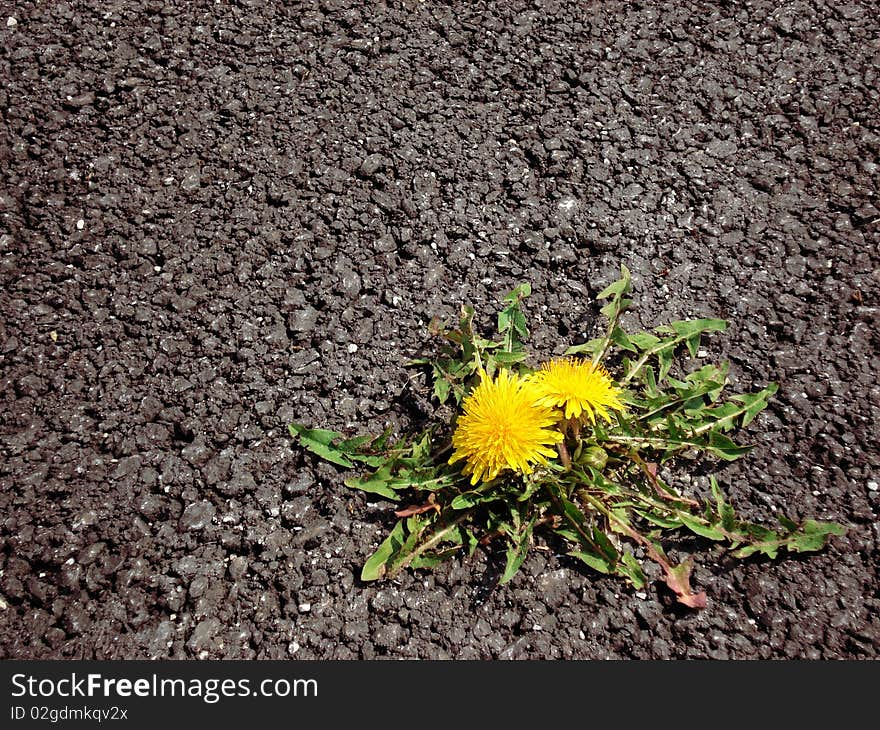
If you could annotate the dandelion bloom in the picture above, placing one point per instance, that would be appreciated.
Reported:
(576, 386)
(503, 428)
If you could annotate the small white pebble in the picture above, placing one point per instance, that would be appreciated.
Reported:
(582, 635)
(352, 348)
(702, 353)
(537, 627)
(11, 22)
(80, 224)
(872, 486)
(305, 607)
(816, 492)
(642, 596)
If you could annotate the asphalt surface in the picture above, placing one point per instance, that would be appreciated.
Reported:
(217, 218)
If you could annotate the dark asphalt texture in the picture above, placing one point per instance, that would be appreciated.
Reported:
(216, 218)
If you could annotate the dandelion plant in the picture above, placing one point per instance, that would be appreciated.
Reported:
(578, 453)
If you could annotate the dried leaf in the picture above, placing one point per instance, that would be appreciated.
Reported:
(419, 509)
(678, 579)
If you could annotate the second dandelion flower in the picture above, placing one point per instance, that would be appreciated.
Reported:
(577, 387)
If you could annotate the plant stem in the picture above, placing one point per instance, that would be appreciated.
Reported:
(675, 402)
(564, 456)
(661, 489)
(627, 528)
(677, 578)
(729, 417)
(653, 441)
(606, 340)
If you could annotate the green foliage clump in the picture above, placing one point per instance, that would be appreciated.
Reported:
(604, 498)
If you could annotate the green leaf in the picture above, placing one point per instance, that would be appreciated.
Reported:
(644, 340)
(723, 509)
(516, 552)
(567, 534)
(380, 482)
(813, 536)
(771, 550)
(503, 321)
(432, 560)
(415, 525)
(376, 565)
(593, 347)
(571, 511)
(441, 388)
(683, 331)
(619, 287)
(650, 380)
(664, 360)
(697, 527)
(755, 402)
(518, 293)
(630, 568)
(352, 445)
(380, 443)
(503, 357)
(532, 485)
(320, 441)
(600, 481)
(667, 523)
(724, 447)
(512, 322)
(344, 453)
(594, 560)
(613, 309)
(421, 447)
(466, 500)
(468, 540)
(620, 338)
(690, 327)
(605, 545)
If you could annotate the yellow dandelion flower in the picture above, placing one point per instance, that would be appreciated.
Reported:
(576, 386)
(503, 428)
